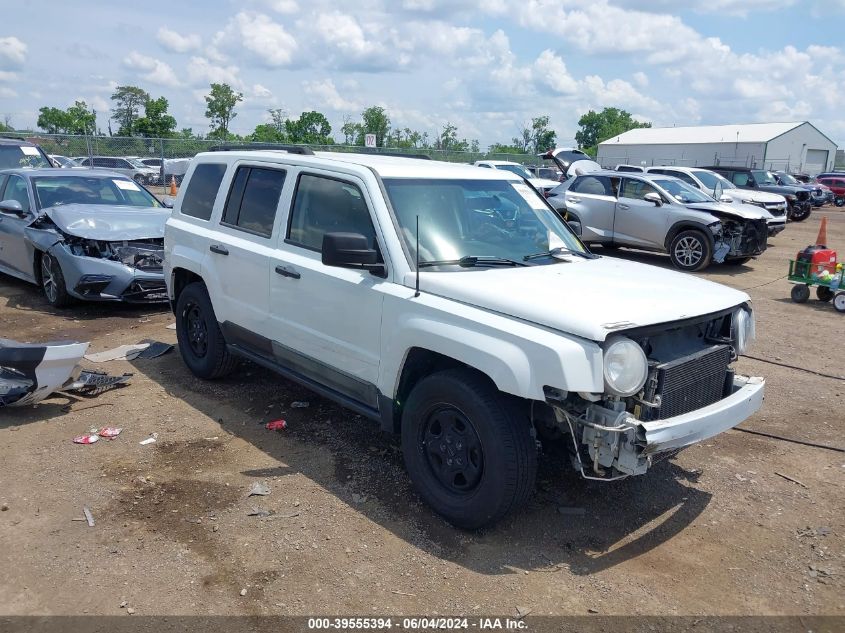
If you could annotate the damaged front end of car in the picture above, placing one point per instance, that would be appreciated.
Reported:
(666, 387)
(98, 265)
(735, 237)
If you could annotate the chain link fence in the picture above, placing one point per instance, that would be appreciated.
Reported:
(773, 164)
(80, 147)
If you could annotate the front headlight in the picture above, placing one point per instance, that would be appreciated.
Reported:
(625, 367)
(743, 329)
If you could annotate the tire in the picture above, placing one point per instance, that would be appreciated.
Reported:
(201, 342)
(823, 293)
(690, 251)
(139, 178)
(738, 261)
(53, 282)
(839, 302)
(459, 415)
(839, 201)
(799, 215)
(800, 293)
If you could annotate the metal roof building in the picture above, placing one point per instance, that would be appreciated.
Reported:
(797, 146)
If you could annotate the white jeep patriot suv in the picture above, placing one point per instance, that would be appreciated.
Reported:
(453, 305)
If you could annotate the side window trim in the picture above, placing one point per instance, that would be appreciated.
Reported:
(248, 169)
(347, 181)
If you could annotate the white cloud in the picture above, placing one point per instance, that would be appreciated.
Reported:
(202, 71)
(282, 6)
(268, 40)
(7, 92)
(5, 75)
(260, 92)
(173, 41)
(151, 69)
(12, 52)
(324, 94)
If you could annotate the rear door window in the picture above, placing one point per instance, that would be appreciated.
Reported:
(740, 179)
(594, 185)
(202, 190)
(253, 199)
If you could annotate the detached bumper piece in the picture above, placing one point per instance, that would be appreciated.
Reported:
(93, 383)
(146, 291)
(31, 372)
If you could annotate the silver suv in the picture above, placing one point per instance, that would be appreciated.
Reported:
(724, 190)
(132, 167)
(661, 213)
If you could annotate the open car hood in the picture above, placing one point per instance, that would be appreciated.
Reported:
(106, 223)
(588, 298)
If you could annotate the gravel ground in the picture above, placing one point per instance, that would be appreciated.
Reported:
(713, 530)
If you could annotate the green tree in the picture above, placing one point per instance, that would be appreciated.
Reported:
(542, 138)
(220, 109)
(266, 133)
(126, 111)
(52, 120)
(350, 130)
(374, 120)
(156, 122)
(501, 148)
(6, 124)
(596, 127)
(311, 127)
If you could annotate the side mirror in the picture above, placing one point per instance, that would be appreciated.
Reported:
(350, 250)
(575, 226)
(725, 198)
(167, 202)
(12, 206)
(654, 198)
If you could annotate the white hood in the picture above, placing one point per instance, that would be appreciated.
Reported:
(587, 298)
(543, 183)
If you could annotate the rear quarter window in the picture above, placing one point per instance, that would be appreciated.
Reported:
(201, 193)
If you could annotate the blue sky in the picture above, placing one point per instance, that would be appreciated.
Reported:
(486, 66)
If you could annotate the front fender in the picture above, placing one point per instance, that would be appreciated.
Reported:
(519, 357)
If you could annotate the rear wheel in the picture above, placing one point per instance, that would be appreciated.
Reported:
(690, 250)
(839, 302)
(470, 455)
(53, 282)
(800, 293)
(823, 293)
(201, 342)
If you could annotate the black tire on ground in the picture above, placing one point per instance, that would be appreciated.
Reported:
(691, 251)
(823, 293)
(738, 261)
(799, 215)
(800, 293)
(53, 282)
(200, 340)
(839, 201)
(839, 302)
(470, 455)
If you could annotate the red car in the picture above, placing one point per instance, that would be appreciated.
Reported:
(837, 185)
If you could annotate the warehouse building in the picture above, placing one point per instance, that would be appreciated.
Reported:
(794, 147)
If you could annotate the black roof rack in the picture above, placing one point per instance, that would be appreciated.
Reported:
(290, 149)
(400, 155)
(19, 137)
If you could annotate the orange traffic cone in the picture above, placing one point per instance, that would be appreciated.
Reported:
(173, 189)
(821, 240)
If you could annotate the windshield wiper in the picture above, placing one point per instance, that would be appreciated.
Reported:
(559, 250)
(470, 261)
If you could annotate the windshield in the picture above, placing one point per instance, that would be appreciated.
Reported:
(52, 191)
(136, 163)
(519, 170)
(477, 218)
(17, 156)
(763, 177)
(711, 180)
(786, 179)
(682, 192)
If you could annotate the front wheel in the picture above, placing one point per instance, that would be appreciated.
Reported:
(839, 302)
(201, 342)
(799, 214)
(690, 250)
(470, 455)
(823, 293)
(839, 201)
(53, 282)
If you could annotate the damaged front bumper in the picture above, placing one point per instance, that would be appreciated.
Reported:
(30, 372)
(618, 441)
(94, 279)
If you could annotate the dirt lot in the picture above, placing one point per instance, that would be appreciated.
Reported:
(712, 531)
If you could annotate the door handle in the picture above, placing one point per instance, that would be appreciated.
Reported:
(286, 271)
(220, 250)
(624, 206)
(576, 200)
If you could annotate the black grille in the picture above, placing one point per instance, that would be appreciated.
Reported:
(691, 382)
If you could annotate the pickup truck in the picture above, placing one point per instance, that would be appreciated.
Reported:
(454, 306)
